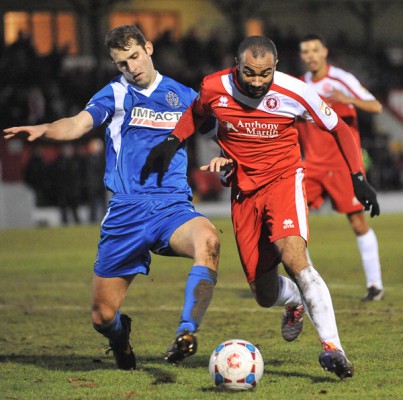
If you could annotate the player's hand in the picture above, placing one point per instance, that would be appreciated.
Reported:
(34, 132)
(365, 193)
(337, 96)
(159, 158)
(218, 164)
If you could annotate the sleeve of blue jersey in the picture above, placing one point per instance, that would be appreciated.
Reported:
(98, 112)
(102, 105)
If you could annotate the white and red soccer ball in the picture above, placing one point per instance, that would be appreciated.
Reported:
(236, 365)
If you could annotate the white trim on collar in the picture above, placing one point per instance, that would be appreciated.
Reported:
(148, 91)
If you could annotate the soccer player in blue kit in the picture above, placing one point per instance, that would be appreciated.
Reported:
(146, 213)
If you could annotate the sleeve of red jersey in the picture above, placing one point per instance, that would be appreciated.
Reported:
(198, 112)
(348, 146)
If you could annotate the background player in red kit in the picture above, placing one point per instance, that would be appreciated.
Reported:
(256, 107)
(328, 173)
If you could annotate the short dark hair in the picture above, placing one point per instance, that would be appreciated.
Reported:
(122, 37)
(313, 36)
(258, 45)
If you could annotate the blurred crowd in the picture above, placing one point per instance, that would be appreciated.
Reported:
(68, 178)
(36, 89)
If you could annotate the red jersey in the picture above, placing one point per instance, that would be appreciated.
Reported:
(312, 143)
(258, 134)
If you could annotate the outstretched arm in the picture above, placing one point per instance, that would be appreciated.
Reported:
(364, 192)
(371, 106)
(61, 130)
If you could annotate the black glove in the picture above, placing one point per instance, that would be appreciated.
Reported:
(365, 193)
(159, 158)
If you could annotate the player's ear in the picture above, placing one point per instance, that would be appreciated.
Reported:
(237, 63)
(149, 48)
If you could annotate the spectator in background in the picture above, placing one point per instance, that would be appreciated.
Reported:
(328, 173)
(66, 173)
(36, 105)
(36, 176)
(94, 167)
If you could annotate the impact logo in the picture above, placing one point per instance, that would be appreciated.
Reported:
(154, 119)
(288, 223)
(172, 99)
(271, 103)
(223, 101)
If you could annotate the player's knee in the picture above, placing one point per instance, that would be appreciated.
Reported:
(265, 289)
(102, 315)
(358, 223)
(212, 249)
(360, 228)
(265, 299)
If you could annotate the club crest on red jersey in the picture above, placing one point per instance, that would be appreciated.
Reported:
(271, 103)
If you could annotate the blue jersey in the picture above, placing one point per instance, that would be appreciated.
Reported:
(137, 120)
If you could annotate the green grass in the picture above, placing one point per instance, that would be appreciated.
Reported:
(48, 349)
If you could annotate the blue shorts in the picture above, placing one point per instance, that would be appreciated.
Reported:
(133, 226)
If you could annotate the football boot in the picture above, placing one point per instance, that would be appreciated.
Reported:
(122, 350)
(374, 294)
(292, 322)
(334, 360)
(184, 345)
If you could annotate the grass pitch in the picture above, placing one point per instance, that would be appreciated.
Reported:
(48, 349)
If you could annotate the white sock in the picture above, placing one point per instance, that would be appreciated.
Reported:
(368, 246)
(318, 304)
(288, 293)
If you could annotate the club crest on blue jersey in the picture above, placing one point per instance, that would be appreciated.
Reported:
(172, 99)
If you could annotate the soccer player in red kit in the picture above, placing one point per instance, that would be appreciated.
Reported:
(255, 107)
(328, 173)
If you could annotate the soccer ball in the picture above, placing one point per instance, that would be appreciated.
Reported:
(236, 365)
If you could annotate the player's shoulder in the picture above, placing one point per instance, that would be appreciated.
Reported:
(212, 78)
(168, 81)
(306, 77)
(114, 88)
(176, 92)
(339, 73)
(117, 84)
(290, 82)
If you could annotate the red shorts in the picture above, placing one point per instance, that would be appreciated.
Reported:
(336, 183)
(262, 217)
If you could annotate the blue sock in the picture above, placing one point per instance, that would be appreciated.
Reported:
(112, 331)
(198, 294)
